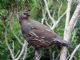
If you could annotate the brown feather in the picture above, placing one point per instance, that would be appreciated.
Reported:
(39, 35)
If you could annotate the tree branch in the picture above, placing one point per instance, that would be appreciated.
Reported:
(25, 52)
(68, 12)
(22, 51)
(68, 30)
(5, 35)
(47, 9)
(11, 28)
(73, 53)
(57, 22)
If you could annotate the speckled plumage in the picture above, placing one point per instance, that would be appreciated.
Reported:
(37, 34)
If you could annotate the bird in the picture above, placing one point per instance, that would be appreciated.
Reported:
(38, 35)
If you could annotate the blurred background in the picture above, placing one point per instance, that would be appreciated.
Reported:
(11, 39)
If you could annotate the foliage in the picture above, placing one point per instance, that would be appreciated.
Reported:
(35, 7)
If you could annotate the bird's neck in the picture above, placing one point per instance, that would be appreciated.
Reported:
(25, 21)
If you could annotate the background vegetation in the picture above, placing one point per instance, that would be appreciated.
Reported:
(9, 11)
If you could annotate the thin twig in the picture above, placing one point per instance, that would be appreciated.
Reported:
(73, 53)
(0, 42)
(11, 27)
(5, 33)
(47, 9)
(69, 56)
(13, 47)
(43, 13)
(60, 2)
(17, 53)
(53, 55)
(57, 22)
(25, 52)
(22, 51)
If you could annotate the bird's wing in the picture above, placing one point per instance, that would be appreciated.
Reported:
(43, 34)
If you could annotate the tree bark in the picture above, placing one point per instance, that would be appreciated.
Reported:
(68, 31)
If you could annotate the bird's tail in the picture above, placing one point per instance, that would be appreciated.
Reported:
(63, 43)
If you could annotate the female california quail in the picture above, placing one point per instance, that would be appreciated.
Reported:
(37, 34)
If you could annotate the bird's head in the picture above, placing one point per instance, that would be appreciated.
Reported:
(24, 15)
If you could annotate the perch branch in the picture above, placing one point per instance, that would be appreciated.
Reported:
(68, 30)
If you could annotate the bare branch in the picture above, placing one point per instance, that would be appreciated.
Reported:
(43, 13)
(68, 30)
(60, 2)
(48, 24)
(57, 22)
(75, 16)
(57, 58)
(11, 27)
(13, 47)
(0, 42)
(47, 9)
(38, 54)
(44, 18)
(22, 51)
(17, 53)
(54, 12)
(25, 52)
(11, 51)
(5, 34)
(72, 23)
(73, 53)
(53, 55)
(68, 12)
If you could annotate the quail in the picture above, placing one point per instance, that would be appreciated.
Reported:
(37, 34)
